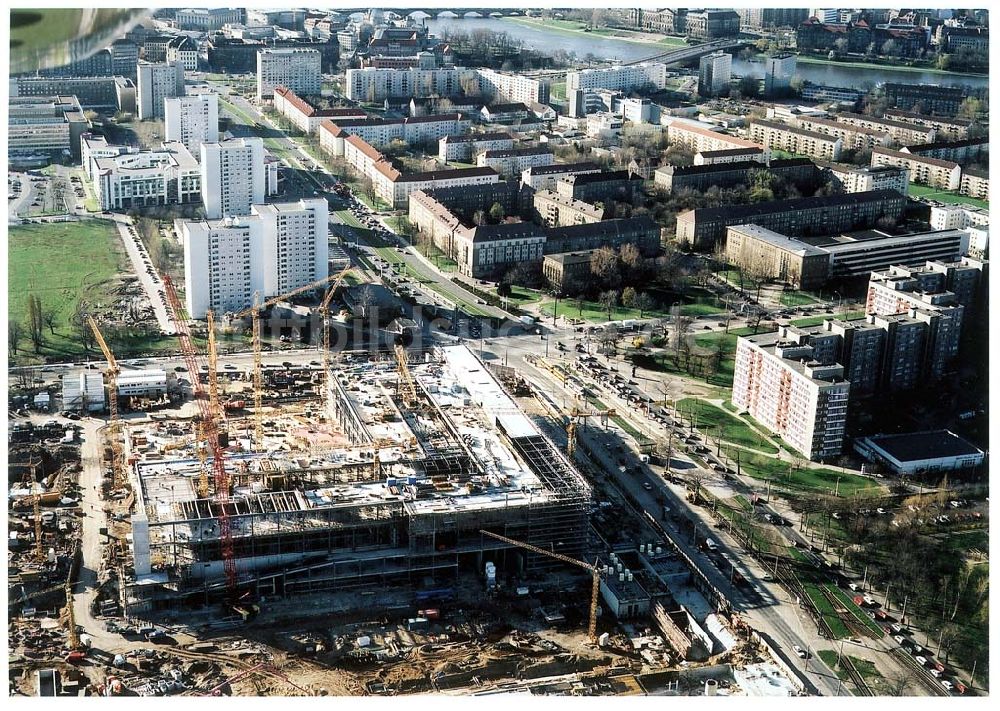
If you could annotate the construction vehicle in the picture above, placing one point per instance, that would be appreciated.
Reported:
(258, 378)
(594, 570)
(114, 424)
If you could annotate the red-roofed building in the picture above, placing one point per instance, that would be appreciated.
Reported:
(306, 117)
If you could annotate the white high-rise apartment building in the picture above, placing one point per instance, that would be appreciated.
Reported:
(621, 78)
(715, 71)
(232, 176)
(275, 249)
(192, 120)
(778, 72)
(779, 381)
(157, 82)
(297, 69)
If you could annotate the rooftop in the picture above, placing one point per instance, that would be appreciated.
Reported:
(919, 446)
(557, 168)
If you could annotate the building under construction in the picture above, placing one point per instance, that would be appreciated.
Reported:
(392, 483)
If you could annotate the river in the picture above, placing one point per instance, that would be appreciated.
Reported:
(548, 40)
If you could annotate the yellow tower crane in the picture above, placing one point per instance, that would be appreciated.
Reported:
(258, 379)
(200, 450)
(114, 424)
(405, 376)
(324, 314)
(594, 571)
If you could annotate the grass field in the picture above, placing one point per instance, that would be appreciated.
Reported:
(804, 480)
(720, 423)
(594, 311)
(796, 298)
(62, 263)
(858, 613)
(825, 608)
(576, 27)
(946, 196)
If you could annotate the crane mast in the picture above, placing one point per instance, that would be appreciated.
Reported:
(114, 423)
(595, 573)
(210, 432)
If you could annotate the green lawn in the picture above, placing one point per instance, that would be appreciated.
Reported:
(946, 196)
(521, 295)
(576, 27)
(826, 610)
(817, 320)
(715, 420)
(557, 91)
(62, 263)
(797, 298)
(803, 480)
(594, 311)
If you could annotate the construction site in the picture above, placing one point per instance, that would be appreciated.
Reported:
(381, 522)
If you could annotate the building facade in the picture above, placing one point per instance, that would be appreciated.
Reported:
(166, 176)
(232, 176)
(773, 135)
(715, 73)
(298, 69)
(156, 83)
(926, 171)
(192, 120)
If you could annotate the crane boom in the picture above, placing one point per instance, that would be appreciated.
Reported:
(294, 292)
(213, 368)
(324, 314)
(211, 433)
(595, 572)
(114, 423)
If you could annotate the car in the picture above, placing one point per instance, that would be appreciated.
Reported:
(899, 638)
(803, 654)
(183, 369)
(230, 366)
(947, 684)
(936, 673)
(922, 660)
(647, 486)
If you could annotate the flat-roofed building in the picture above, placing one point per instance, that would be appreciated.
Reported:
(233, 176)
(926, 171)
(568, 271)
(780, 383)
(773, 135)
(92, 147)
(930, 98)
(295, 68)
(156, 83)
(704, 227)
(603, 187)
(975, 183)
(167, 176)
(619, 78)
(855, 179)
(958, 217)
(513, 161)
(766, 252)
(464, 147)
(920, 453)
(545, 177)
(90, 92)
(44, 127)
(192, 120)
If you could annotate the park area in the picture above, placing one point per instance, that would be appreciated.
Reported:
(61, 263)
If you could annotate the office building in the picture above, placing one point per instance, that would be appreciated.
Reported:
(232, 176)
(167, 176)
(767, 254)
(274, 249)
(715, 74)
(208, 20)
(606, 187)
(156, 83)
(779, 69)
(192, 120)
(958, 217)
(712, 24)
(298, 69)
(778, 381)
(125, 95)
(124, 59)
(44, 128)
(773, 135)
(92, 147)
(568, 272)
(704, 227)
(90, 92)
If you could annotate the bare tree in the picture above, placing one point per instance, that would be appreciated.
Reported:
(81, 329)
(36, 323)
(609, 300)
(49, 317)
(15, 331)
(644, 302)
(605, 265)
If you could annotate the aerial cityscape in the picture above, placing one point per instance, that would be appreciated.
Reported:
(622, 351)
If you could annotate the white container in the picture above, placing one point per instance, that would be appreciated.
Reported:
(364, 641)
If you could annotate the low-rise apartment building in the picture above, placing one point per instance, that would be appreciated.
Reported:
(731, 155)
(852, 136)
(704, 227)
(958, 217)
(855, 179)
(946, 129)
(545, 177)
(465, 147)
(969, 149)
(554, 210)
(166, 176)
(700, 139)
(513, 161)
(930, 99)
(901, 132)
(799, 171)
(621, 78)
(306, 117)
(380, 132)
(773, 135)
(975, 183)
(926, 171)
